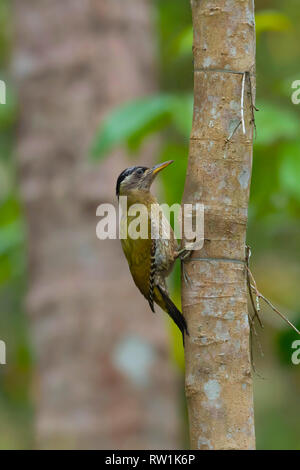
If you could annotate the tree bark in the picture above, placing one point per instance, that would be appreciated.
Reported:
(218, 370)
(102, 378)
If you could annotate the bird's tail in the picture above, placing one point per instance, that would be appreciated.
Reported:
(167, 305)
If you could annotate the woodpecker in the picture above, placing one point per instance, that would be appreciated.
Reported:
(150, 259)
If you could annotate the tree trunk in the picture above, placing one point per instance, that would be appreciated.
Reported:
(218, 369)
(103, 378)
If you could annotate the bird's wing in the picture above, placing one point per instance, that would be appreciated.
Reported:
(140, 254)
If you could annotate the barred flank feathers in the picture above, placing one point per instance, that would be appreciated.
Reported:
(152, 275)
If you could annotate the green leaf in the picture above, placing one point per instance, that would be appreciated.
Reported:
(274, 124)
(183, 43)
(135, 141)
(11, 236)
(8, 111)
(5, 32)
(182, 114)
(9, 211)
(271, 20)
(131, 122)
(176, 172)
(289, 174)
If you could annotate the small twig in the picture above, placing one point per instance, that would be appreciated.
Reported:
(242, 103)
(253, 287)
(256, 308)
(186, 277)
(242, 120)
(253, 107)
(260, 296)
(258, 342)
(253, 334)
(233, 132)
(257, 293)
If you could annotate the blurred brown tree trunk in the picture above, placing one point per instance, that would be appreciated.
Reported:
(218, 372)
(103, 379)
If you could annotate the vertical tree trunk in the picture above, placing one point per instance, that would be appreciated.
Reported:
(102, 375)
(218, 370)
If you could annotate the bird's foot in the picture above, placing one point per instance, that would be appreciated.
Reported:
(184, 254)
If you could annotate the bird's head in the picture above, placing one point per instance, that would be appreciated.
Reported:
(138, 178)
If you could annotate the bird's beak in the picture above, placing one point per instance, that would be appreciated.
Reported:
(157, 168)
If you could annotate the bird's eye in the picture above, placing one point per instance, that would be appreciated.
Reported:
(140, 171)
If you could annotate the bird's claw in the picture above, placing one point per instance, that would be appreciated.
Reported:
(184, 254)
(186, 277)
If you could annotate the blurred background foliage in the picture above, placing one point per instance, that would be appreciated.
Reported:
(273, 231)
(15, 406)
